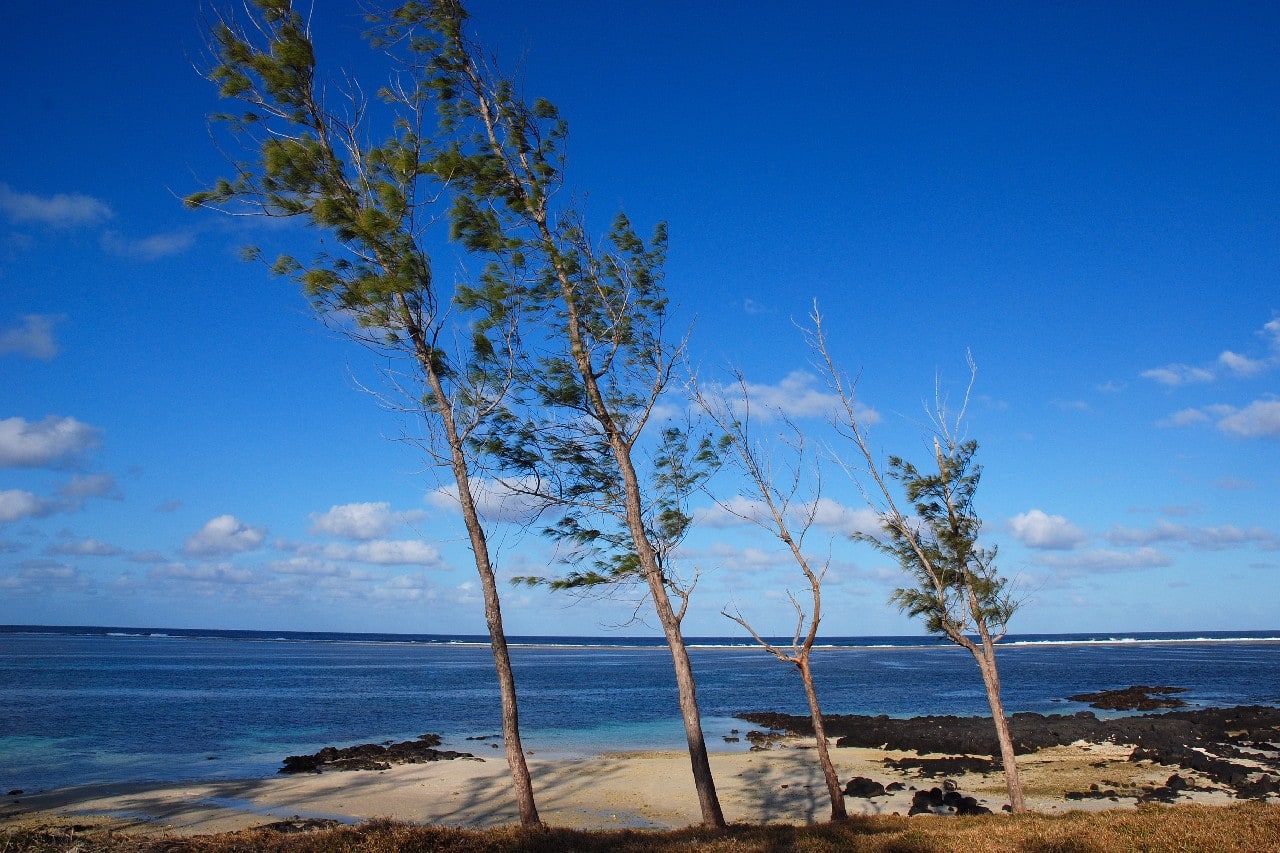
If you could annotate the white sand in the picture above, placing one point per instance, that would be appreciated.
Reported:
(782, 785)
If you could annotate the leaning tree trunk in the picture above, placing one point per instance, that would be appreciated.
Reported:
(492, 607)
(986, 658)
(820, 734)
(703, 782)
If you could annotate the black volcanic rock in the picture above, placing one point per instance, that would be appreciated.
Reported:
(1235, 747)
(372, 756)
(1135, 698)
(936, 801)
(861, 786)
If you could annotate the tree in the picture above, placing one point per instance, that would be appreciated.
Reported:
(780, 513)
(600, 357)
(300, 157)
(956, 588)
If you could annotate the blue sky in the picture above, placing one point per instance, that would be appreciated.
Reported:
(1085, 197)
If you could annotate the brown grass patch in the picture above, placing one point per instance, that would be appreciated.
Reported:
(1153, 829)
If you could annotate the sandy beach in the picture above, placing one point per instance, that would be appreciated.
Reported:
(646, 790)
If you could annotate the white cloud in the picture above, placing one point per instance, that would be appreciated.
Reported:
(61, 210)
(1037, 529)
(84, 548)
(748, 559)
(361, 520)
(216, 573)
(403, 588)
(1102, 560)
(308, 567)
(48, 442)
(794, 396)
(1272, 331)
(33, 339)
(223, 536)
(734, 512)
(1179, 374)
(839, 518)
(832, 515)
(148, 248)
(90, 486)
(1184, 417)
(382, 552)
(1259, 419)
(49, 571)
(494, 500)
(1241, 365)
(1228, 363)
(396, 552)
(17, 503)
(1208, 538)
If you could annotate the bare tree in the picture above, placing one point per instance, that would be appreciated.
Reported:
(957, 589)
(300, 157)
(786, 515)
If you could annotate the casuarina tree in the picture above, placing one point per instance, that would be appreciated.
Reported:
(301, 148)
(597, 355)
(954, 585)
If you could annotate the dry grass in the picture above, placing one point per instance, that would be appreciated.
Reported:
(1153, 829)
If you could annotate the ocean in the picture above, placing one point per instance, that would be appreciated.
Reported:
(81, 705)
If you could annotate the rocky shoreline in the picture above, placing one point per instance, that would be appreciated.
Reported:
(1237, 748)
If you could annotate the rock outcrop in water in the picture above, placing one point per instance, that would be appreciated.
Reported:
(373, 756)
(1136, 698)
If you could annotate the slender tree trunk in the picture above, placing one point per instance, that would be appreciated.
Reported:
(820, 734)
(534, 213)
(985, 656)
(488, 582)
(703, 782)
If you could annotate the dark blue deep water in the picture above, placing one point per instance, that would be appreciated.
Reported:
(80, 705)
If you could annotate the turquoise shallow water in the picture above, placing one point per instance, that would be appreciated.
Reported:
(100, 705)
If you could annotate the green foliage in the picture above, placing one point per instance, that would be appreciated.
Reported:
(596, 542)
(957, 586)
(306, 159)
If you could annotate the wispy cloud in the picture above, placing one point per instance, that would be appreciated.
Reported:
(45, 443)
(1104, 560)
(1207, 538)
(1259, 419)
(84, 548)
(90, 486)
(42, 576)
(495, 500)
(204, 573)
(149, 248)
(33, 339)
(61, 210)
(1179, 374)
(378, 552)
(1227, 364)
